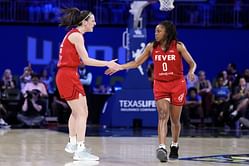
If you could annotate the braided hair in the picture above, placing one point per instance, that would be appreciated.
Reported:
(170, 34)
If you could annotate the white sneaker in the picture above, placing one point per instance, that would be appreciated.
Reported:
(70, 148)
(85, 155)
(5, 126)
(81, 163)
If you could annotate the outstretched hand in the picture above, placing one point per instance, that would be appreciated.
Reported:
(112, 64)
(113, 67)
(110, 71)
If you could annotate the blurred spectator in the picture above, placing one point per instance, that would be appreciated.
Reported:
(7, 81)
(33, 112)
(241, 98)
(35, 84)
(3, 124)
(34, 12)
(85, 78)
(191, 84)
(204, 88)
(8, 89)
(232, 74)
(102, 89)
(60, 108)
(26, 76)
(244, 122)
(47, 80)
(221, 97)
(246, 75)
(226, 81)
(193, 11)
(192, 108)
(203, 85)
(47, 10)
(38, 85)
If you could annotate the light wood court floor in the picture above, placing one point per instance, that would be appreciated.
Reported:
(42, 147)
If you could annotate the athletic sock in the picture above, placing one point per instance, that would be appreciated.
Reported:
(81, 146)
(162, 146)
(174, 144)
(72, 139)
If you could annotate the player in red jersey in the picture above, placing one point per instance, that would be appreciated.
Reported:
(169, 83)
(72, 54)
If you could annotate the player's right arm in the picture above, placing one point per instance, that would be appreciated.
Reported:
(140, 60)
(78, 41)
(135, 63)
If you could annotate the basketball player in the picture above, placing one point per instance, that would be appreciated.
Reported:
(72, 54)
(169, 83)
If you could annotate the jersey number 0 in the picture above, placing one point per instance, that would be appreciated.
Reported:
(165, 66)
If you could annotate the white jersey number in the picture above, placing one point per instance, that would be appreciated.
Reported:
(165, 66)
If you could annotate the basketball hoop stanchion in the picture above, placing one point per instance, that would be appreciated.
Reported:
(135, 33)
(134, 41)
(136, 10)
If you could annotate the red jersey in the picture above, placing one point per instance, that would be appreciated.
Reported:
(68, 56)
(167, 65)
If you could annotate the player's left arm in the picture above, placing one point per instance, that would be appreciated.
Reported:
(188, 58)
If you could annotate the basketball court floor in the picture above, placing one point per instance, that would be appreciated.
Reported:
(44, 147)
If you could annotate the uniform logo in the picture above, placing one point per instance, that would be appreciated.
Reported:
(171, 51)
(180, 98)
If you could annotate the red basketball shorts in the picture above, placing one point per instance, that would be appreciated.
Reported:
(68, 83)
(175, 91)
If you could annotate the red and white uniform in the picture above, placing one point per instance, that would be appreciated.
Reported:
(67, 77)
(169, 81)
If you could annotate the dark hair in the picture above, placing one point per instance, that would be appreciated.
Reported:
(233, 65)
(35, 75)
(73, 17)
(192, 89)
(171, 34)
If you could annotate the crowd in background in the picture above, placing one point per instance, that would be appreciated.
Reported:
(27, 99)
(222, 101)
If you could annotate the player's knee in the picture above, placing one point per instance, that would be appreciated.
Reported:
(80, 113)
(176, 122)
(83, 112)
(162, 114)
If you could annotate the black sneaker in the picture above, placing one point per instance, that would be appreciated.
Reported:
(173, 152)
(161, 154)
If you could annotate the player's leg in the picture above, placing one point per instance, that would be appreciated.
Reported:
(163, 116)
(178, 99)
(72, 144)
(175, 114)
(79, 119)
